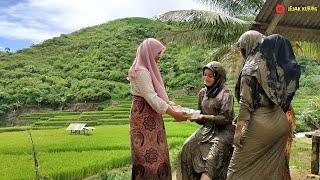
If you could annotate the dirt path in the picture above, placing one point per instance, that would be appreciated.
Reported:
(298, 174)
(295, 174)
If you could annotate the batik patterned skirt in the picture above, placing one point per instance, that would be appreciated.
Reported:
(149, 149)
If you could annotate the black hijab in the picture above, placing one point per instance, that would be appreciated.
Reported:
(277, 51)
(220, 78)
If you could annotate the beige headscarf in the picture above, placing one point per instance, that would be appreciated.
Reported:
(145, 59)
(249, 41)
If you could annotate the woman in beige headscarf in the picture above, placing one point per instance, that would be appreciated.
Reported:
(265, 88)
(149, 148)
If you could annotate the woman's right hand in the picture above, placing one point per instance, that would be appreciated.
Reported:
(177, 115)
(180, 116)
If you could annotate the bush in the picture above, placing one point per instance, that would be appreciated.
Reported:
(311, 116)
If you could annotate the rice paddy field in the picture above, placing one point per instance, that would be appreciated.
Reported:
(105, 152)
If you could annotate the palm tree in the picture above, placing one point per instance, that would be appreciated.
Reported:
(200, 26)
(212, 28)
(235, 7)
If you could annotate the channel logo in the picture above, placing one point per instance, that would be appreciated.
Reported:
(280, 9)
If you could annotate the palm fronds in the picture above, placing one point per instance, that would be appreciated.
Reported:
(235, 7)
(205, 26)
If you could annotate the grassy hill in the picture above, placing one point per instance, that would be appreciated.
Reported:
(89, 65)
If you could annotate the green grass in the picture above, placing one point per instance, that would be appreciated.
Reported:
(16, 166)
(64, 118)
(64, 123)
(67, 156)
(106, 112)
(301, 154)
(76, 165)
(118, 108)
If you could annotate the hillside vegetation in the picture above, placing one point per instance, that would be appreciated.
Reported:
(90, 66)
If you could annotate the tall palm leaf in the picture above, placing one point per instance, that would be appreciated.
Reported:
(213, 28)
(235, 7)
(208, 27)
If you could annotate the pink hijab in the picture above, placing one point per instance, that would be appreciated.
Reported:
(145, 59)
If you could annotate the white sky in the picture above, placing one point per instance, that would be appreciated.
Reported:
(37, 20)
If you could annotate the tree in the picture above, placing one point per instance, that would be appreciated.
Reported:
(212, 27)
(235, 7)
(204, 27)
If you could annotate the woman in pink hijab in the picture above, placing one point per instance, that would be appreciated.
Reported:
(149, 149)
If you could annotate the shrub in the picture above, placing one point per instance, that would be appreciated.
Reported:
(311, 115)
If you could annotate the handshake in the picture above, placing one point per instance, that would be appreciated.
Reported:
(192, 115)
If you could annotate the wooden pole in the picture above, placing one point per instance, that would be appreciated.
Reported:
(315, 155)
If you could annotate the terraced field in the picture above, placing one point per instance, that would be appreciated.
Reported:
(65, 156)
(119, 114)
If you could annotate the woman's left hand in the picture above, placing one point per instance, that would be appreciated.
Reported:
(238, 133)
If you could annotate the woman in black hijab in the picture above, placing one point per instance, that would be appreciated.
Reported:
(205, 155)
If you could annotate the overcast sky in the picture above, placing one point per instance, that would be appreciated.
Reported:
(23, 22)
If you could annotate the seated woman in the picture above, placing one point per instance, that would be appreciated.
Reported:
(206, 153)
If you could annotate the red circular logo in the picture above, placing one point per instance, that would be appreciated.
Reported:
(280, 9)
